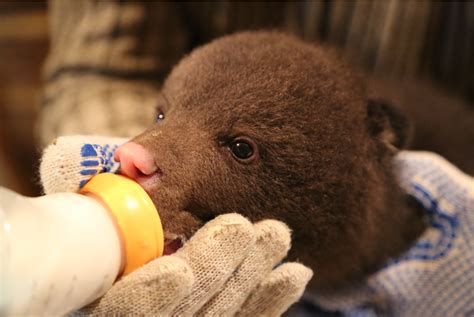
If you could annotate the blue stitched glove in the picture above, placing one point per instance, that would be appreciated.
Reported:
(435, 277)
(70, 161)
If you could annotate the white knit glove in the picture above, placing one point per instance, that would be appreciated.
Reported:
(69, 162)
(226, 268)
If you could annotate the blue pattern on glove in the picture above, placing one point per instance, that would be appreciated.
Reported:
(97, 158)
(444, 223)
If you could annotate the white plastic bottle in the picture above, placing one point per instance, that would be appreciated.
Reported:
(60, 252)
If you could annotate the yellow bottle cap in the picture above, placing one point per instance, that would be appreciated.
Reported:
(135, 214)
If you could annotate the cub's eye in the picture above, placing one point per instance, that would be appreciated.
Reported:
(243, 149)
(160, 117)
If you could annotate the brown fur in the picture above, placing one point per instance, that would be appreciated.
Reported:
(325, 152)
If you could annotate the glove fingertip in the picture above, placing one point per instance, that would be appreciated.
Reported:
(217, 233)
(295, 274)
(275, 236)
(282, 288)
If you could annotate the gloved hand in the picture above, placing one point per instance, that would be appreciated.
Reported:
(223, 270)
(434, 276)
(226, 268)
(69, 162)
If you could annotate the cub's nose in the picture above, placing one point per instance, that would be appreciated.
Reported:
(135, 160)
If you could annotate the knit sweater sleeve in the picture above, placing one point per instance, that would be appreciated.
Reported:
(106, 62)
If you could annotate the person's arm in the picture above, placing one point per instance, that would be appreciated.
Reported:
(106, 61)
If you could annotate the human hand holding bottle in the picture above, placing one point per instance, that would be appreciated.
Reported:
(226, 268)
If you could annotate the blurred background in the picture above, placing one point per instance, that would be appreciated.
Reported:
(395, 39)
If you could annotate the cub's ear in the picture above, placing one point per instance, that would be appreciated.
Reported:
(388, 124)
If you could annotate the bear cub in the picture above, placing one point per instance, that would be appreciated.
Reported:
(267, 126)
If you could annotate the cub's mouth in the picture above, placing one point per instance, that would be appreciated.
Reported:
(178, 227)
(173, 243)
(137, 164)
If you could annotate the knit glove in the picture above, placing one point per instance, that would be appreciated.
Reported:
(434, 277)
(226, 268)
(69, 162)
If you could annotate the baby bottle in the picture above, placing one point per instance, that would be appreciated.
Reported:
(60, 252)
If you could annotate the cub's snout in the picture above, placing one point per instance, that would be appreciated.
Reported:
(137, 163)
